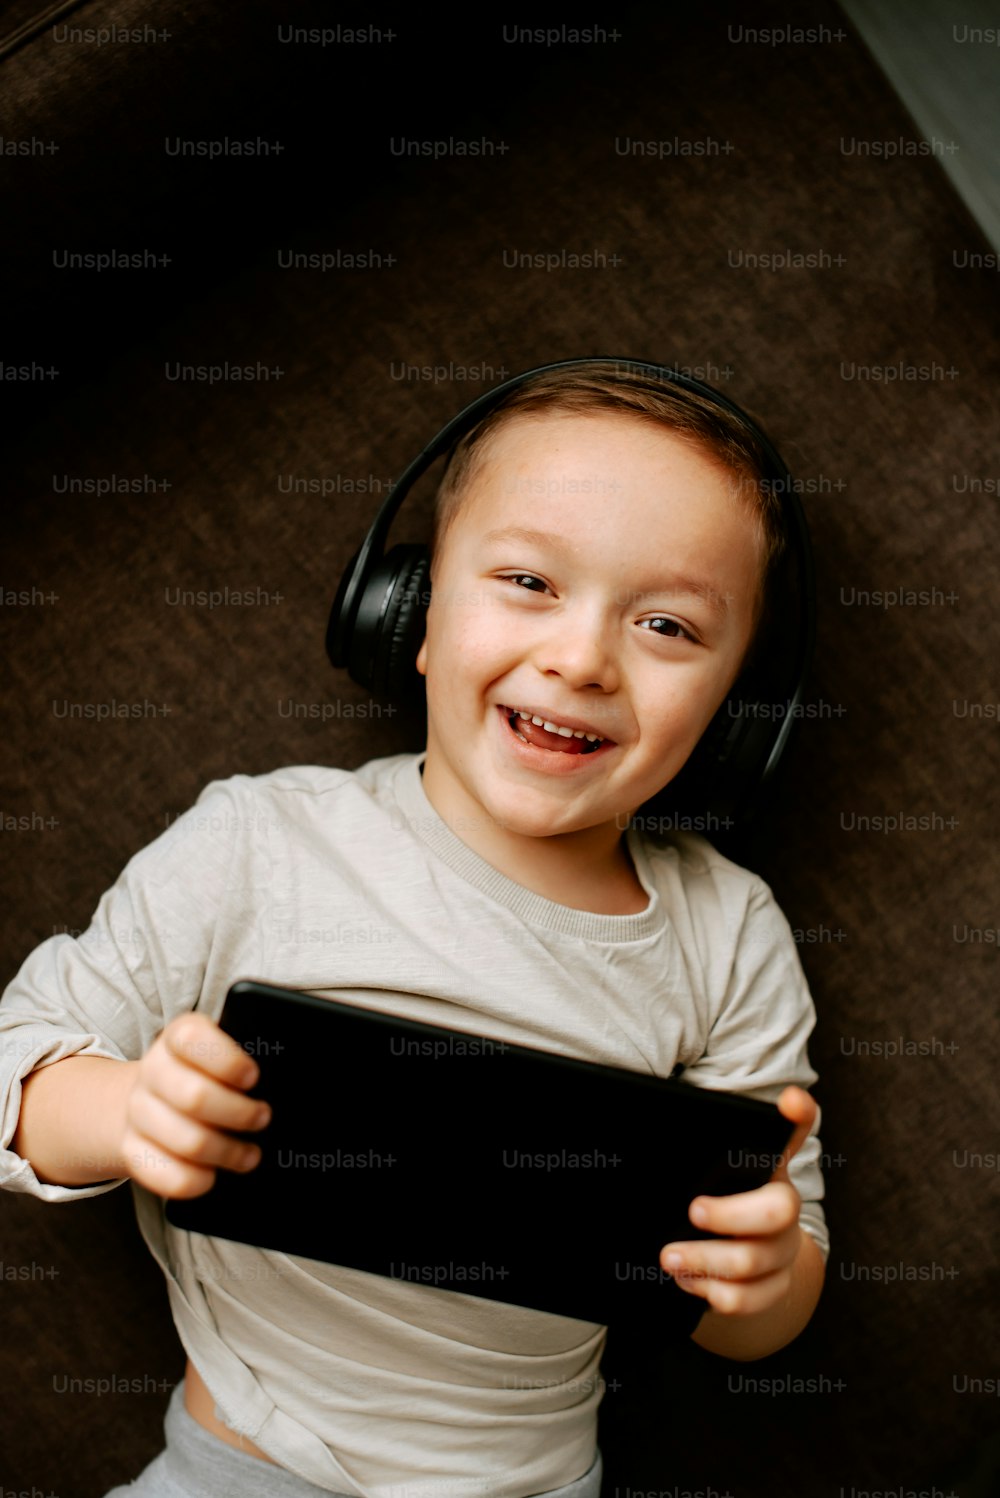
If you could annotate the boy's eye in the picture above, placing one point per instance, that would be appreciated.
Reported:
(518, 577)
(674, 630)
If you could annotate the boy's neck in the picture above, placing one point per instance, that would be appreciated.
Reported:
(590, 870)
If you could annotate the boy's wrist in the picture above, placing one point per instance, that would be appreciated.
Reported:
(71, 1124)
(121, 1085)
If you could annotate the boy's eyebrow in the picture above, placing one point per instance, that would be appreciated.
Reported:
(716, 601)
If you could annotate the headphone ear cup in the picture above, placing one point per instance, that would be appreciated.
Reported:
(696, 786)
(721, 739)
(401, 586)
(711, 785)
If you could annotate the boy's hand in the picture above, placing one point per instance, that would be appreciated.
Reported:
(749, 1269)
(185, 1093)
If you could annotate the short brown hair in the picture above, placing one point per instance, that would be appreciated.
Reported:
(631, 390)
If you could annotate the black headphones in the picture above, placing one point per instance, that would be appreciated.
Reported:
(377, 625)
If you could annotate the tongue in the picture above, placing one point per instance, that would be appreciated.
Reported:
(541, 737)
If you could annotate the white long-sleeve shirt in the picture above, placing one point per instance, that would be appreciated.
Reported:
(348, 883)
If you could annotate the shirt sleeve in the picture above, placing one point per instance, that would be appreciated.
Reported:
(143, 959)
(757, 1042)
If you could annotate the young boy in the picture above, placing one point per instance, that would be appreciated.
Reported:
(600, 564)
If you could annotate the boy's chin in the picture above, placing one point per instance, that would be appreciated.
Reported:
(521, 814)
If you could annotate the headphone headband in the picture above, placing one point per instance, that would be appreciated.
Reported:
(376, 622)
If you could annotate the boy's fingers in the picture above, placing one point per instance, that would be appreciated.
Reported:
(188, 1114)
(198, 1041)
(195, 1095)
(202, 1074)
(746, 1260)
(164, 1173)
(746, 1298)
(799, 1108)
(769, 1209)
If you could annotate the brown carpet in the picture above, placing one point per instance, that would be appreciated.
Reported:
(899, 927)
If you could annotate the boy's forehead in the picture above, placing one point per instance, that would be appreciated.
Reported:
(564, 434)
(600, 453)
(566, 463)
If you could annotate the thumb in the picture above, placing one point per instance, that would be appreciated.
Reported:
(799, 1108)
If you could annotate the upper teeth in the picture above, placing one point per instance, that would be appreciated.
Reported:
(567, 733)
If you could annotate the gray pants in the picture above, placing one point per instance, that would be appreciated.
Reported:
(195, 1464)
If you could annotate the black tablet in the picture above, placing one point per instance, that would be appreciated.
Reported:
(456, 1161)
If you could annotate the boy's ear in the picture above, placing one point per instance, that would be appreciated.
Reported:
(421, 661)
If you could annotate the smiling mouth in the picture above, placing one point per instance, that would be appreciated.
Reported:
(541, 738)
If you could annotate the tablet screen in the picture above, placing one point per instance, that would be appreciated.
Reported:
(471, 1164)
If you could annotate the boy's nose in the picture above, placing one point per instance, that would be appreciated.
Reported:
(580, 652)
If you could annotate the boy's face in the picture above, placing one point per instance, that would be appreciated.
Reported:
(633, 622)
